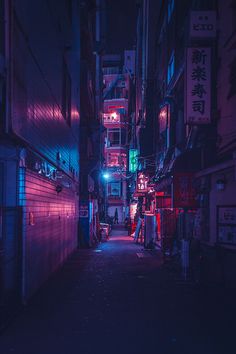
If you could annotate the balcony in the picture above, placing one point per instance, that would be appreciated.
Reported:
(118, 105)
(116, 138)
(111, 118)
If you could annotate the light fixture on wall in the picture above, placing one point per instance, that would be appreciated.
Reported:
(220, 184)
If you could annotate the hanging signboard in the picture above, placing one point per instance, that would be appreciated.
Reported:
(142, 182)
(198, 86)
(184, 195)
(133, 160)
(203, 24)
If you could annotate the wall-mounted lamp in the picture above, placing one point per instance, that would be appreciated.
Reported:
(220, 184)
(106, 175)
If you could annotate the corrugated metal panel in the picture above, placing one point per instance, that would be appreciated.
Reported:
(50, 228)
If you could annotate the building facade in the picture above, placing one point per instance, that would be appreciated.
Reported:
(189, 51)
(39, 147)
(92, 47)
(117, 112)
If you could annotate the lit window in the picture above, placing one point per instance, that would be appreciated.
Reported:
(171, 68)
(171, 5)
(116, 137)
(116, 160)
(113, 136)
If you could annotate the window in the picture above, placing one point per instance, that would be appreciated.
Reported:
(113, 137)
(171, 67)
(66, 94)
(111, 70)
(114, 189)
(115, 159)
(170, 10)
(116, 137)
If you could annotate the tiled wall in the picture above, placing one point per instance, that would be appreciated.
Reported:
(50, 228)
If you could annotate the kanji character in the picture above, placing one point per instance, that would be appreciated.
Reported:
(198, 90)
(199, 73)
(198, 106)
(198, 56)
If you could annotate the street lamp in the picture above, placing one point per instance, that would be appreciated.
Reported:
(106, 175)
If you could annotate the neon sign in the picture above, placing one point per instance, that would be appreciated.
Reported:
(133, 160)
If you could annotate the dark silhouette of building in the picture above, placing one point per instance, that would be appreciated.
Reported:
(47, 81)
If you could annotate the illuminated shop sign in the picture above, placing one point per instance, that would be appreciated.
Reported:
(142, 182)
(133, 160)
(198, 86)
(203, 24)
(112, 117)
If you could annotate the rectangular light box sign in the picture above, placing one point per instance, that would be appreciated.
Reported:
(133, 160)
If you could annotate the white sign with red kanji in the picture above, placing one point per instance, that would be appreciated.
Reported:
(198, 86)
(142, 182)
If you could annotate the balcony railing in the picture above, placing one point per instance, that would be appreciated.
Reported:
(112, 118)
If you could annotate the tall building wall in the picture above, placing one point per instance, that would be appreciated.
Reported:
(44, 76)
(39, 146)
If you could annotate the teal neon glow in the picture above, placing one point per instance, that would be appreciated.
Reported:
(133, 160)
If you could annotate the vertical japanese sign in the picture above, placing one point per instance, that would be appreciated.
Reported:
(198, 86)
(133, 160)
(142, 182)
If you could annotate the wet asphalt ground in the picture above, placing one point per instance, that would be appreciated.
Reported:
(121, 299)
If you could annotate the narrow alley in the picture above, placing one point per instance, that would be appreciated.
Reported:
(120, 298)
